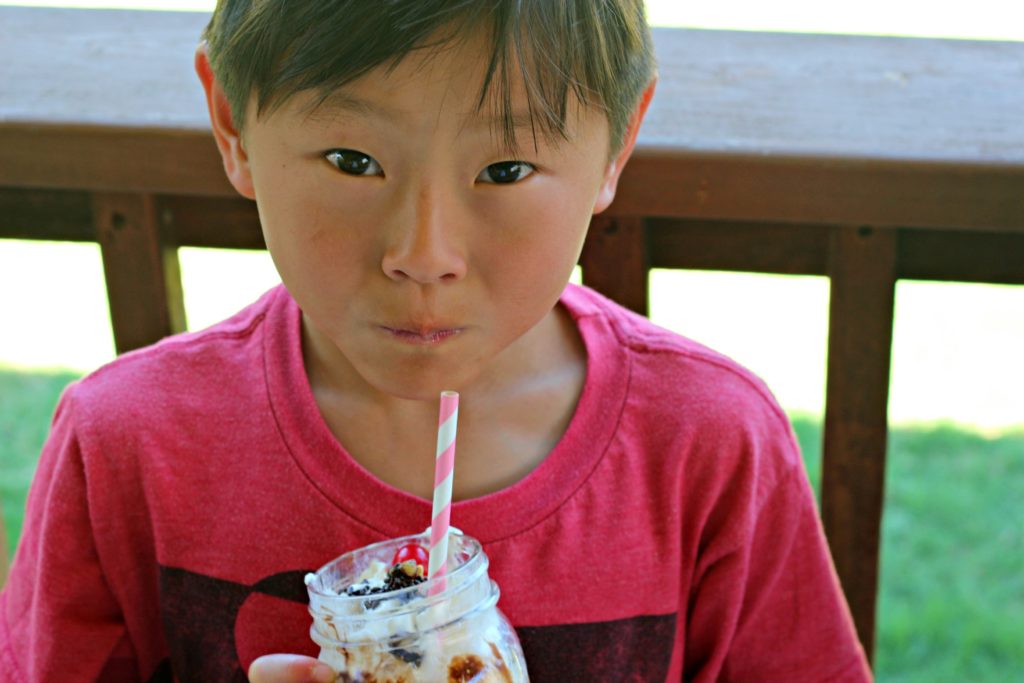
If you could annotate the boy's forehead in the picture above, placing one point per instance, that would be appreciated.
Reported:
(448, 80)
(454, 66)
(474, 117)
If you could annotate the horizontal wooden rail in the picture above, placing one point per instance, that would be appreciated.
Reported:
(806, 154)
(745, 126)
(946, 254)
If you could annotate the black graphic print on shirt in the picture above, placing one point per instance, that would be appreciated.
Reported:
(214, 627)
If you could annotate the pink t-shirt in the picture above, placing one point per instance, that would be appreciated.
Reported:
(186, 488)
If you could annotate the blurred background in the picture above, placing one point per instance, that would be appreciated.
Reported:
(951, 603)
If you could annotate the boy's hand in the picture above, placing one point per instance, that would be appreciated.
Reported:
(289, 669)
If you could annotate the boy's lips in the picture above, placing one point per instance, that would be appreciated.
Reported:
(425, 335)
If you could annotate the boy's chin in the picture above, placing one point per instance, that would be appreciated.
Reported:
(415, 386)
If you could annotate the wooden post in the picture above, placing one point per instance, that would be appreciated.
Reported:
(862, 267)
(614, 260)
(141, 269)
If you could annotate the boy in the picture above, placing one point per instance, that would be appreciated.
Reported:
(425, 171)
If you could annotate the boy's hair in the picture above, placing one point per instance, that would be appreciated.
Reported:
(599, 50)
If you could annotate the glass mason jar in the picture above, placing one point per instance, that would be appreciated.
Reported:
(424, 632)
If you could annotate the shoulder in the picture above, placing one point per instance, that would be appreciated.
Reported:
(667, 365)
(688, 399)
(179, 371)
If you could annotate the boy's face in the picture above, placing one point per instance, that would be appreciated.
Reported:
(420, 251)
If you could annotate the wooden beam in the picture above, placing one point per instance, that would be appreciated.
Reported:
(734, 132)
(962, 255)
(219, 222)
(863, 276)
(614, 260)
(760, 247)
(142, 271)
(944, 254)
(107, 159)
(34, 214)
(820, 190)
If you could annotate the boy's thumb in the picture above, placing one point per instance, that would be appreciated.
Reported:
(290, 669)
(321, 673)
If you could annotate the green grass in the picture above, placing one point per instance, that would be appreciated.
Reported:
(952, 557)
(951, 604)
(951, 595)
(27, 400)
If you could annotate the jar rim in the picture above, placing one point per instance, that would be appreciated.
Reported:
(491, 602)
(476, 562)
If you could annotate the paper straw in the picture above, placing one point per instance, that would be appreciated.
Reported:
(444, 469)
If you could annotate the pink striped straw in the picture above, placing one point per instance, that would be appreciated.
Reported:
(444, 470)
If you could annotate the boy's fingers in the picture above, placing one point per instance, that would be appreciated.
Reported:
(289, 669)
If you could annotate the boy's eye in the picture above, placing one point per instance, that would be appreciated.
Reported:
(505, 172)
(354, 162)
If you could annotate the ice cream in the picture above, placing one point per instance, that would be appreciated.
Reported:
(376, 620)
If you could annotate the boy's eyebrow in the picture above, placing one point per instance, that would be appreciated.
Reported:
(342, 102)
(476, 120)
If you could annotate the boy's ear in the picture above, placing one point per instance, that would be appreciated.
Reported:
(229, 141)
(614, 170)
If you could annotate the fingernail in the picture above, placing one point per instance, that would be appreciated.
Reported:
(321, 673)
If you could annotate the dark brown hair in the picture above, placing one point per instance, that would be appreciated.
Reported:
(598, 50)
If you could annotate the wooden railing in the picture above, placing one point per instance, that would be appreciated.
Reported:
(861, 159)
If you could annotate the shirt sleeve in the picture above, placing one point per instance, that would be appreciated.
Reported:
(767, 605)
(59, 620)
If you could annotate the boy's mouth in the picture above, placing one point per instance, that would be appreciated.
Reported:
(421, 335)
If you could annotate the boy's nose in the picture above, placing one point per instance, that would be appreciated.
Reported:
(423, 247)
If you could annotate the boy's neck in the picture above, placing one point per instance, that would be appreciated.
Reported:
(510, 418)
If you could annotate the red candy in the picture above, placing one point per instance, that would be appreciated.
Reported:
(414, 552)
